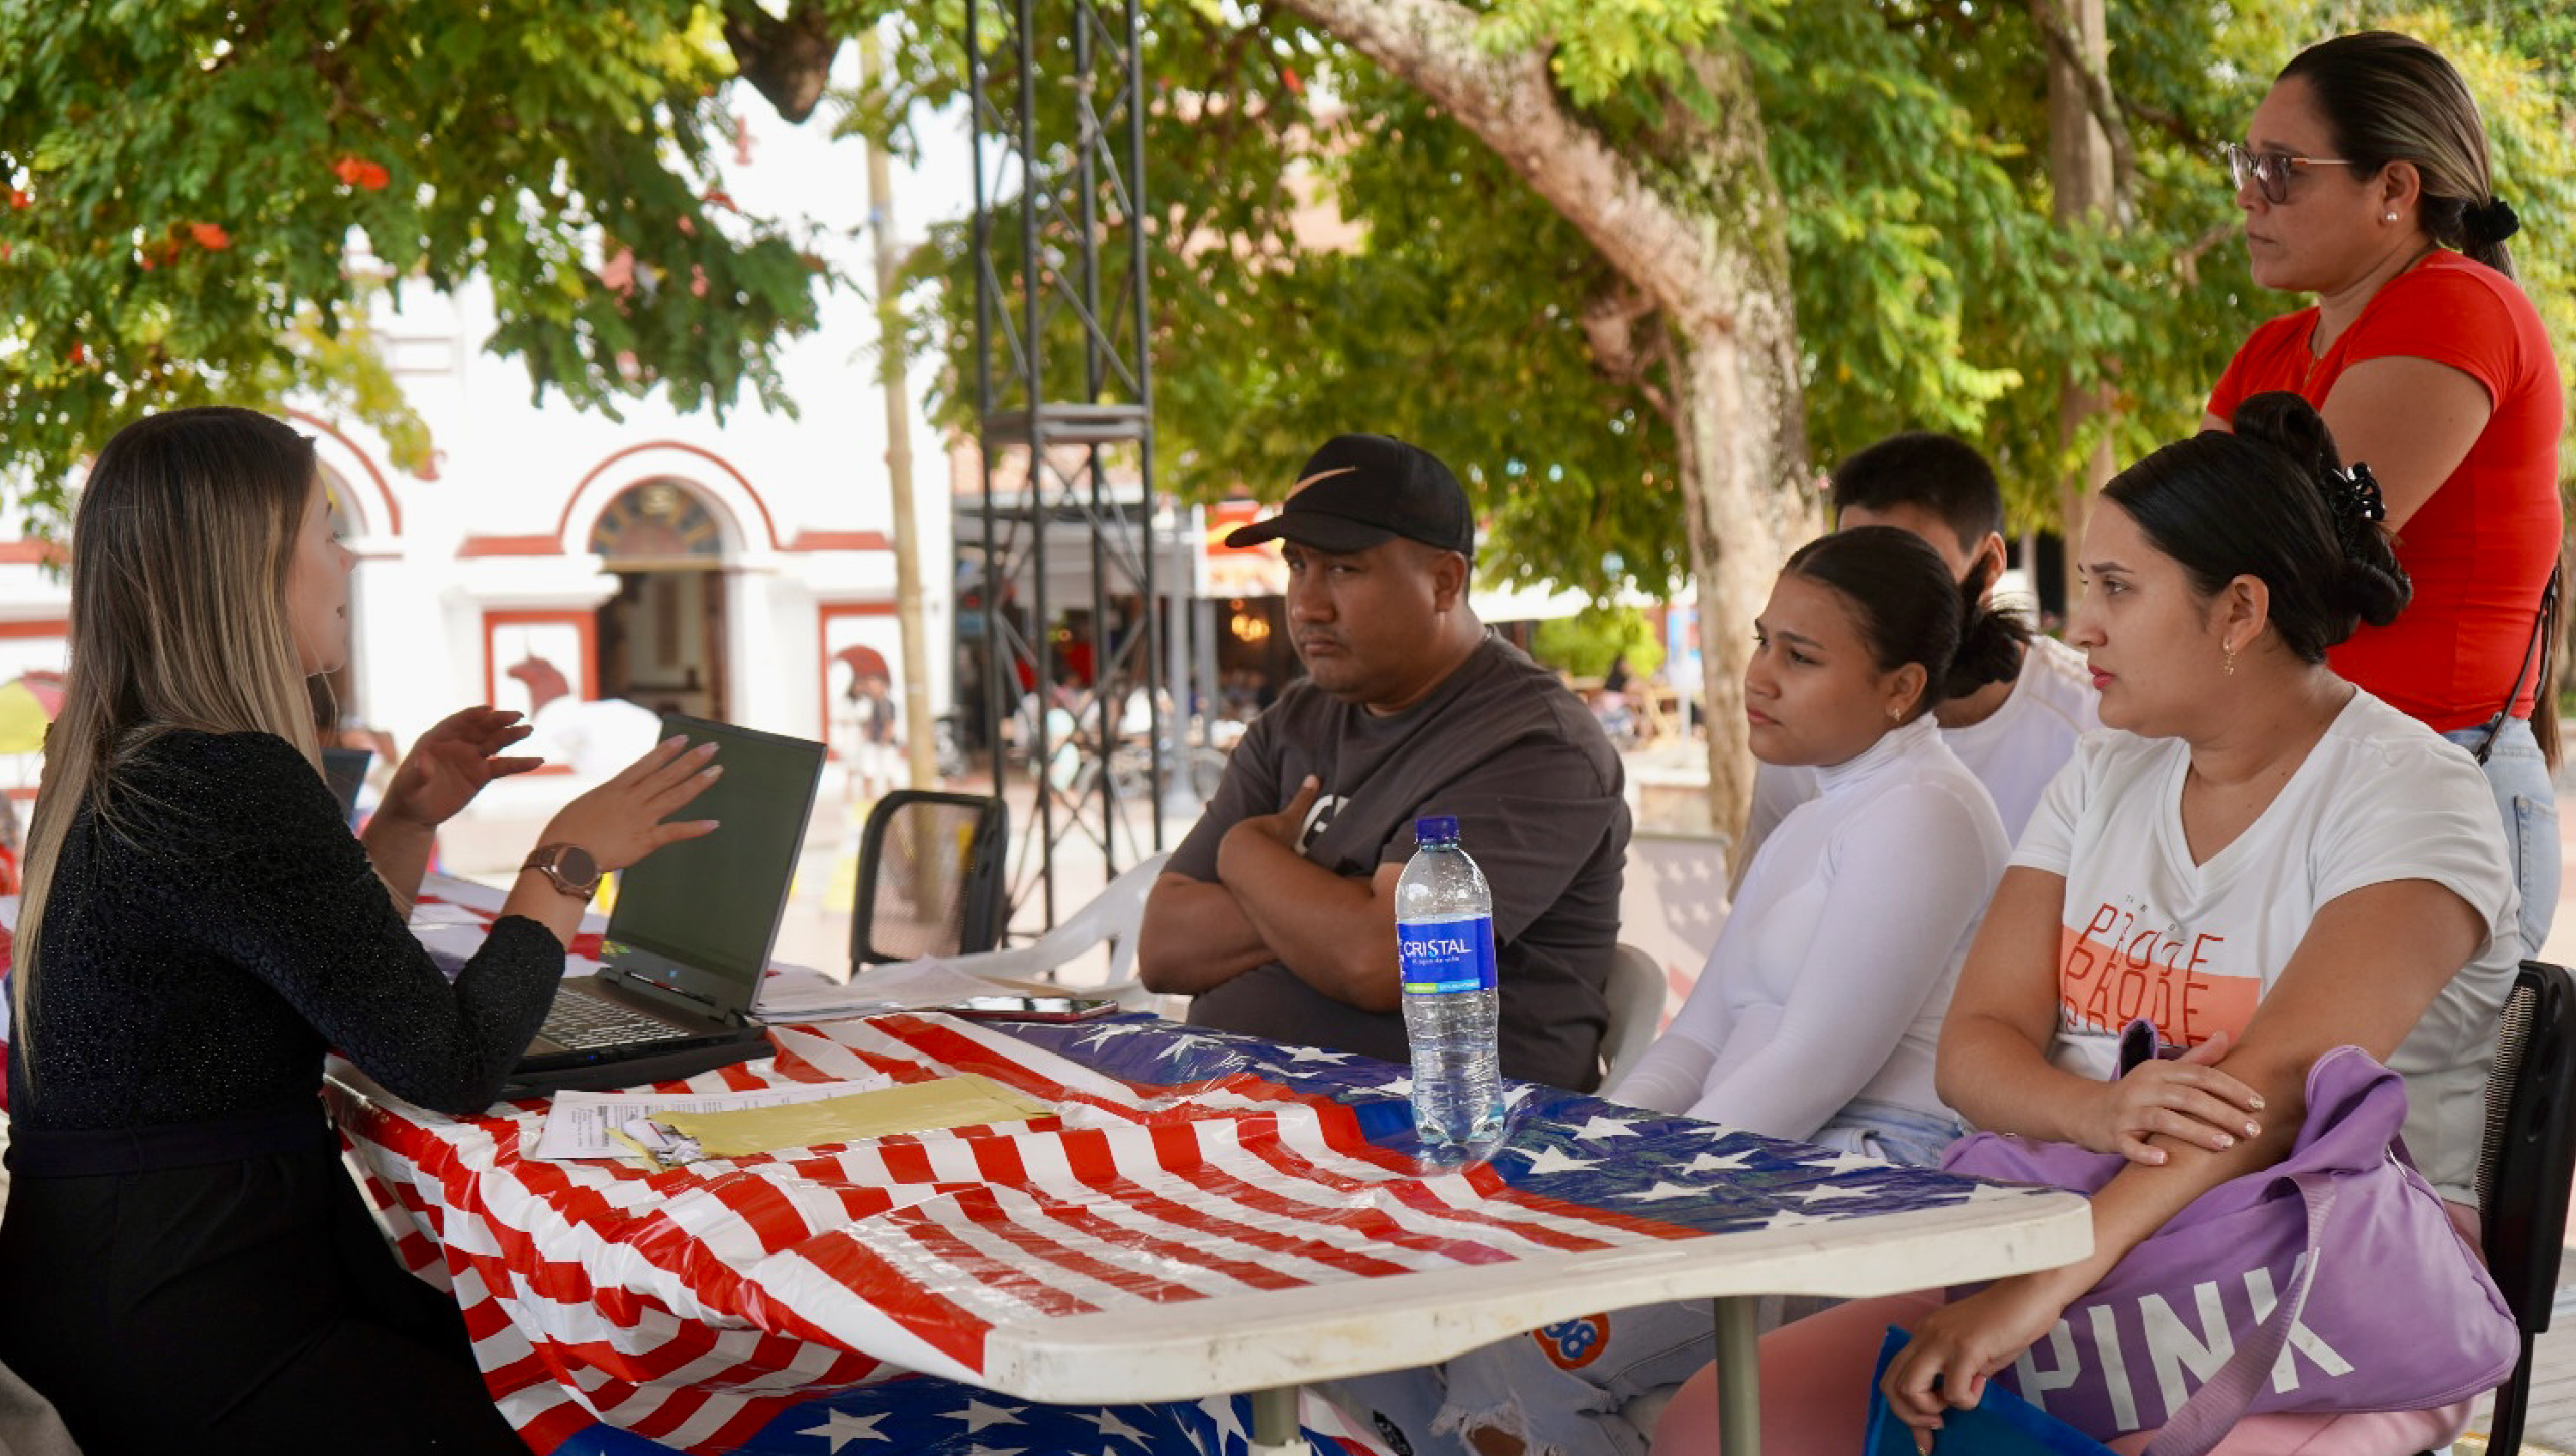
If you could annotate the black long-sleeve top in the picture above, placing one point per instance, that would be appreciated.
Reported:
(202, 972)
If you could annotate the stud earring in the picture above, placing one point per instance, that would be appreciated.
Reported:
(2388, 217)
(1895, 713)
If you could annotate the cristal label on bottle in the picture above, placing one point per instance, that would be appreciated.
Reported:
(1446, 956)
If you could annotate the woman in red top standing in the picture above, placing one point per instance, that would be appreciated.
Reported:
(2365, 181)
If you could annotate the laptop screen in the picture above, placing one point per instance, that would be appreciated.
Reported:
(704, 912)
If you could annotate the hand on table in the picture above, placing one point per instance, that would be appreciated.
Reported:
(621, 821)
(2187, 1098)
(452, 762)
(1962, 1344)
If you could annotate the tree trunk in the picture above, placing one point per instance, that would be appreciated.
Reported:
(1697, 231)
(1741, 528)
(1739, 419)
(2082, 177)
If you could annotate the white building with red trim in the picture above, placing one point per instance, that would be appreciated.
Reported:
(732, 568)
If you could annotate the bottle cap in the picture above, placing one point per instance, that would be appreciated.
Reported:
(1436, 829)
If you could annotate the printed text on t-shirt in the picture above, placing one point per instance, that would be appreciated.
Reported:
(2118, 967)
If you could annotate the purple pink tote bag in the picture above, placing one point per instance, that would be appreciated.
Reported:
(2332, 1281)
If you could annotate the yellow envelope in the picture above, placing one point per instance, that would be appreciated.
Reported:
(963, 1101)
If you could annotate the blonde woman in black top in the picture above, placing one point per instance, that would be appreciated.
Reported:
(199, 927)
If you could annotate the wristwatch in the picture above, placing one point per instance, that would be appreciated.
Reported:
(568, 867)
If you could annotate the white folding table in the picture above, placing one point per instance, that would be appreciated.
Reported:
(1208, 1214)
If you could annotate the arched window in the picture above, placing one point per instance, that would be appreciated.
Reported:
(657, 523)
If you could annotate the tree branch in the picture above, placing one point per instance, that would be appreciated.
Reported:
(2187, 262)
(1509, 103)
(1610, 326)
(2192, 137)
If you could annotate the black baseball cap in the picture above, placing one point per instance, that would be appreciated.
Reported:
(1361, 490)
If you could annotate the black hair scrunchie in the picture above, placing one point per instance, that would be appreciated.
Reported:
(2353, 494)
(2490, 222)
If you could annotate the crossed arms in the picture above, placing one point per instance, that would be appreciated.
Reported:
(1270, 903)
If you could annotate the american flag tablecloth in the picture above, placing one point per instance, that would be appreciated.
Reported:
(705, 1308)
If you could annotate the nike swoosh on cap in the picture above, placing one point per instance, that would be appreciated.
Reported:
(1321, 475)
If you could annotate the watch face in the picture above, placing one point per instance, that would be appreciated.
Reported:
(575, 864)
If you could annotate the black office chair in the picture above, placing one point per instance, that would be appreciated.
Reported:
(2524, 1167)
(930, 877)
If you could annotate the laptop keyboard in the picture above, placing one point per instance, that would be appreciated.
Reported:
(587, 1023)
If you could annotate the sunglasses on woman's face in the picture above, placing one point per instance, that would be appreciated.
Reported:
(2270, 171)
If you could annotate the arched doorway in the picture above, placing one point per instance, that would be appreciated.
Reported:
(661, 638)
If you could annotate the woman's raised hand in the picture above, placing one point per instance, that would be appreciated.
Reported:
(452, 762)
(2187, 1098)
(621, 821)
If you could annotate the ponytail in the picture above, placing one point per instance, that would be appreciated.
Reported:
(1991, 642)
(1910, 610)
(2367, 584)
(2272, 501)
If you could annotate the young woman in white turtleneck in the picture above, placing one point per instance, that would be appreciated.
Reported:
(1815, 1016)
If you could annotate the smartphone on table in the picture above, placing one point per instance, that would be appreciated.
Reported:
(1033, 1008)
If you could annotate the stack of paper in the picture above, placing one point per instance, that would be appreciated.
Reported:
(671, 1129)
(900, 986)
(584, 1124)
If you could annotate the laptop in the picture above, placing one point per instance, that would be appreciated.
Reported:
(689, 937)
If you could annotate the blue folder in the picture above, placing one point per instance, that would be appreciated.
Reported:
(2002, 1424)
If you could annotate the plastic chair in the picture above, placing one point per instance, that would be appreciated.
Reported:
(1635, 991)
(930, 877)
(1109, 919)
(2525, 1164)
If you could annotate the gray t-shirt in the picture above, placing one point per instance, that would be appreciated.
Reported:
(1536, 789)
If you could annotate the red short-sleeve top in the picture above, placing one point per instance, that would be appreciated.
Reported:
(2481, 549)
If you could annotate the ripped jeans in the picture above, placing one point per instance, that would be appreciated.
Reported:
(1566, 1390)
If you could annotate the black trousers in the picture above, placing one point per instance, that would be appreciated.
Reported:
(248, 1305)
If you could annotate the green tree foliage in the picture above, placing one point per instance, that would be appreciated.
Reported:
(185, 183)
(1585, 644)
(1451, 313)
(1933, 288)
(205, 200)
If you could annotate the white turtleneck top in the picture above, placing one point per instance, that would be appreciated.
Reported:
(1830, 978)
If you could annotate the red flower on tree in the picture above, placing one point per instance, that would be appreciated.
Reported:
(357, 172)
(210, 237)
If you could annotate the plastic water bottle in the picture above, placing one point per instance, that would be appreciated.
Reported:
(1444, 935)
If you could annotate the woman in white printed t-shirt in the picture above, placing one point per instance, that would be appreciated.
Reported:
(2270, 863)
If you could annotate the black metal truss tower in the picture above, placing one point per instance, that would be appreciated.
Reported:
(1065, 398)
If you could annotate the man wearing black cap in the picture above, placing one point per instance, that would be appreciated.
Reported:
(1277, 913)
